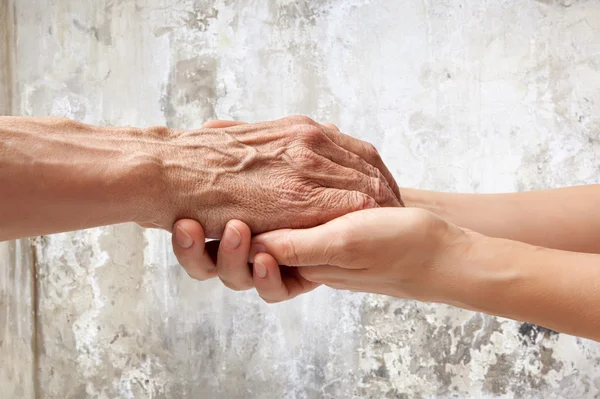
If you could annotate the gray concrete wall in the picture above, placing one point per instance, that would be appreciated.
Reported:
(473, 96)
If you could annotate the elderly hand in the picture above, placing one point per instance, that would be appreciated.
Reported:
(292, 172)
(232, 266)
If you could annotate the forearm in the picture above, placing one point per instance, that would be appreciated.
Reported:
(59, 175)
(556, 289)
(567, 219)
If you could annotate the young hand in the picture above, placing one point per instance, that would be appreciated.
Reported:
(402, 252)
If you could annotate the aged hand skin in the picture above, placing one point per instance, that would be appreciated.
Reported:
(287, 173)
(60, 175)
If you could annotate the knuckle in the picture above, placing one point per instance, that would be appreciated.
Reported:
(289, 250)
(378, 188)
(332, 126)
(305, 159)
(300, 120)
(372, 153)
(310, 135)
(371, 170)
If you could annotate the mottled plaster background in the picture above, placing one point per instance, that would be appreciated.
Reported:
(472, 96)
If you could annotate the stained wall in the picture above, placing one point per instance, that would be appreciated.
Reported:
(470, 96)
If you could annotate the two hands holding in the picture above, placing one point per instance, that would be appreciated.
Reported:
(323, 209)
(387, 249)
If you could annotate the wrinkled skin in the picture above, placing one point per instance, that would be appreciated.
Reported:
(289, 173)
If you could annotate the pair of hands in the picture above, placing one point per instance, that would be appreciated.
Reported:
(394, 251)
(401, 252)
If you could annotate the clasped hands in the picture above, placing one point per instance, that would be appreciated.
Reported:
(326, 210)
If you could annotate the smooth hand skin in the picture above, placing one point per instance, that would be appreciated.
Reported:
(406, 253)
(60, 175)
(411, 253)
(565, 218)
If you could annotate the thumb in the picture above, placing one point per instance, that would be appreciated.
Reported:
(321, 245)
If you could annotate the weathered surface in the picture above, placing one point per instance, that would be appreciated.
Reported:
(7, 24)
(17, 289)
(464, 96)
(17, 321)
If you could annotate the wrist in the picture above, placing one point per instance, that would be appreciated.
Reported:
(489, 274)
(450, 266)
(127, 177)
(145, 184)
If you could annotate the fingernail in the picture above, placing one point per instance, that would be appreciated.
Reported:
(232, 238)
(256, 249)
(260, 270)
(183, 239)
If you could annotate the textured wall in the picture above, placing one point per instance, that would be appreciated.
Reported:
(474, 96)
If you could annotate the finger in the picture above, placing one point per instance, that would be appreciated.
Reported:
(333, 175)
(358, 147)
(350, 160)
(221, 124)
(189, 247)
(364, 150)
(321, 245)
(232, 262)
(275, 284)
